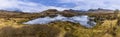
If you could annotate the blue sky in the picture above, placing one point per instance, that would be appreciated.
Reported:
(54, 3)
(41, 5)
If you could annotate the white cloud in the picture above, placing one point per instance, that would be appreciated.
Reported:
(6, 4)
(25, 6)
(87, 4)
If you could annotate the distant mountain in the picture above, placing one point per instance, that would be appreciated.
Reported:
(100, 10)
(53, 13)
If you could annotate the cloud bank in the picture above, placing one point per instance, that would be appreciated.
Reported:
(30, 6)
(94, 4)
(25, 6)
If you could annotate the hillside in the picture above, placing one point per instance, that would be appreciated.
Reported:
(12, 25)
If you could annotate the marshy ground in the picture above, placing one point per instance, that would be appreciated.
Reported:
(11, 26)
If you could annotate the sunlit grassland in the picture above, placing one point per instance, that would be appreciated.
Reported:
(11, 26)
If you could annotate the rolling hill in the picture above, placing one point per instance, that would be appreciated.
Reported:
(12, 24)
